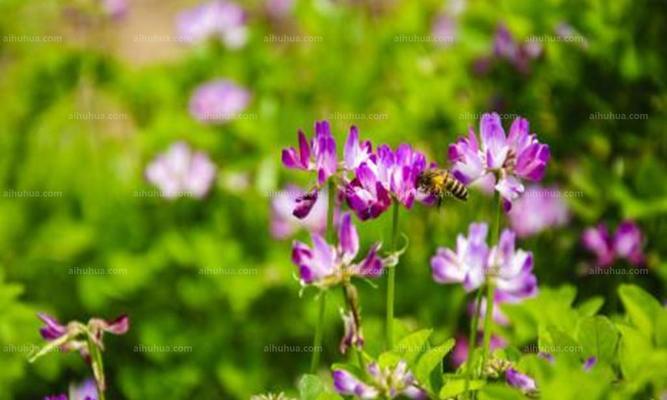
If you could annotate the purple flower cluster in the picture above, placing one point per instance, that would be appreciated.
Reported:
(377, 178)
(384, 383)
(180, 171)
(326, 265)
(500, 161)
(537, 210)
(462, 348)
(625, 244)
(473, 262)
(221, 19)
(218, 101)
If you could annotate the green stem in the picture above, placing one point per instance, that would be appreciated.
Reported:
(98, 368)
(317, 340)
(472, 339)
(491, 287)
(391, 280)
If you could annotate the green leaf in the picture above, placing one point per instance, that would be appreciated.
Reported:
(430, 360)
(413, 345)
(455, 387)
(498, 391)
(641, 307)
(661, 329)
(591, 306)
(598, 336)
(310, 387)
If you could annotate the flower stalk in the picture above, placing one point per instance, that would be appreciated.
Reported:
(391, 280)
(322, 301)
(491, 287)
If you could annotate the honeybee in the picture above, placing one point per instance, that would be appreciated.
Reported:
(441, 183)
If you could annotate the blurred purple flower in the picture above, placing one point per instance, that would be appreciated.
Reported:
(218, 101)
(283, 221)
(461, 347)
(536, 210)
(500, 160)
(384, 383)
(468, 264)
(181, 171)
(520, 381)
(56, 397)
(116, 9)
(317, 155)
(279, 8)
(626, 243)
(219, 18)
(512, 270)
(444, 29)
(520, 55)
(326, 265)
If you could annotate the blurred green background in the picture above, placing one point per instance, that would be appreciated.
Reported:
(360, 70)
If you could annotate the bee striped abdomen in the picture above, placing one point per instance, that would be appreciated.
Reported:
(456, 188)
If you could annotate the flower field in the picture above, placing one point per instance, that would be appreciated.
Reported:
(333, 199)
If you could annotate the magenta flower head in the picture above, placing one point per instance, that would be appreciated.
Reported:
(86, 391)
(466, 265)
(383, 383)
(537, 210)
(382, 178)
(500, 161)
(519, 55)
(625, 244)
(520, 381)
(180, 171)
(318, 154)
(285, 220)
(219, 19)
(218, 101)
(62, 396)
(324, 265)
